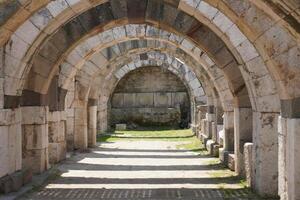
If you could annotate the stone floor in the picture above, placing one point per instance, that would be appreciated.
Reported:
(153, 170)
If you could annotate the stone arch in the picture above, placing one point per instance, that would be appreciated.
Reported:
(276, 54)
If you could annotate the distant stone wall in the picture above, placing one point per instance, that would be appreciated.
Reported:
(150, 96)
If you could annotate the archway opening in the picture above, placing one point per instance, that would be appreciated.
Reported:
(148, 97)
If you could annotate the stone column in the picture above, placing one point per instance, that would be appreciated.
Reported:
(57, 136)
(201, 116)
(35, 138)
(242, 134)
(70, 129)
(10, 141)
(80, 126)
(102, 115)
(211, 144)
(210, 117)
(92, 123)
(289, 164)
(265, 153)
(228, 146)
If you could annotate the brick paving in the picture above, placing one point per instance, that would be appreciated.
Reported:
(142, 170)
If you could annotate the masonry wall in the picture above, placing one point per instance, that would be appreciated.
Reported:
(150, 96)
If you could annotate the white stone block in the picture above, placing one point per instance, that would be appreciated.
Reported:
(119, 32)
(57, 7)
(188, 45)
(99, 60)
(121, 127)
(107, 36)
(36, 136)
(207, 10)
(235, 35)
(247, 51)
(34, 115)
(27, 32)
(16, 47)
(222, 22)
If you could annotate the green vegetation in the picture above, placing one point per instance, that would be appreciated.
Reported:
(149, 133)
(193, 144)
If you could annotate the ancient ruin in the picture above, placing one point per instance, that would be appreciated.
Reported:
(229, 69)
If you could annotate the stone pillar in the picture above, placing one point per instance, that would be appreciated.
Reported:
(70, 129)
(92, 123)
(242, 134)
(80, 126)
(282, 158)
(289, 164)
(265, 155)
(102, 114)
(201, 116)
(248, 160)
(35, 138)
(57, 136)
(10, 141)
(228, 140)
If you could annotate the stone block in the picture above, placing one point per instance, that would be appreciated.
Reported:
(209, 146)
(70, 143)
(13, 182)
(80, 137)
(231, 161)
(222, 22)
(118, 100)
(162, 99)
(207, 10)
(215, 150)
(54, 116)
(223, 155)
(129, 99)
(57, 152)
(35, 136)
(292, 158)
(265, 155)
(8, 117)
(208, 129)
(145, 99)
(17, 180)
(27, 176)
(242, 134)
(36, 160)
(57, 131)
(121, 127)
(235, 35)
(15, 147)
(34, 115)
(80, 117)
(248, 149)
(4, 151)
(6, 185)
(282, 158)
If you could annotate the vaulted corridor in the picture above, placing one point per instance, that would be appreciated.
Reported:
(73, 70)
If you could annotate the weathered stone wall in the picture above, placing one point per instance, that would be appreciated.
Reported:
(150, 96)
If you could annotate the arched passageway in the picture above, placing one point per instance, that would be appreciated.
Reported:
(62, 60)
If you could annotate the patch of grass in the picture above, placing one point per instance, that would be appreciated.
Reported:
(193, 144)
(223, 173)
(155, 132)
(214, 161)
(148, 134)
(243, 183)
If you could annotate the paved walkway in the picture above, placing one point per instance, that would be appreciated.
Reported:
(134, 170)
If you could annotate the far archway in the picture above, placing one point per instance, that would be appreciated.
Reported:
(150, 96)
